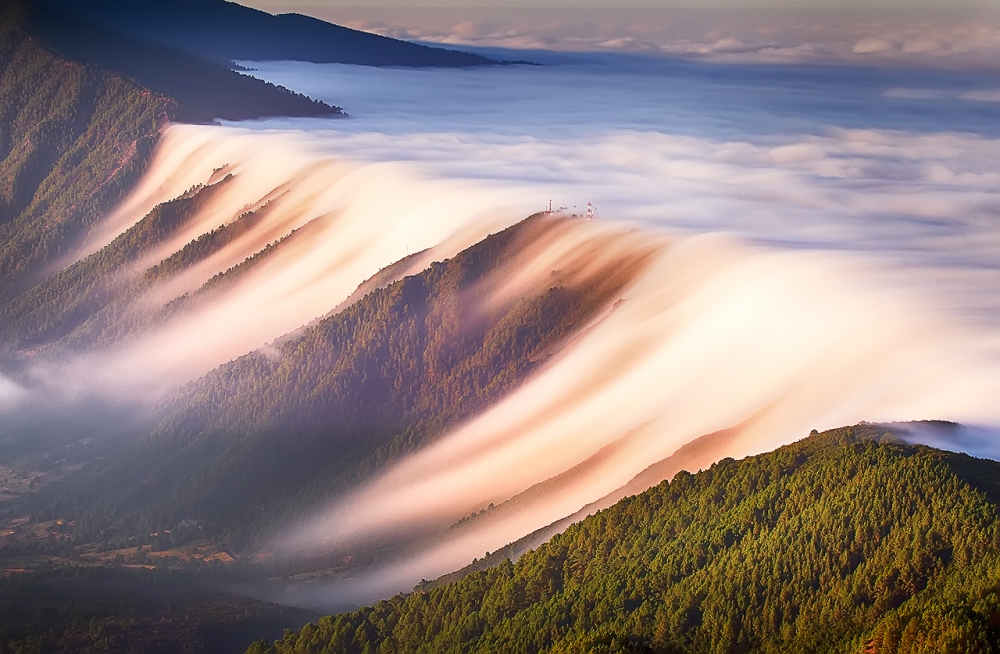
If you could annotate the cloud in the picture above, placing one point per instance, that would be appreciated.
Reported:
(488, 151)
(809, 274)
(713, 336)
(981, 96)
(12, 394)
(872, 45)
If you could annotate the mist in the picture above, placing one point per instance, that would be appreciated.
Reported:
(712, 336)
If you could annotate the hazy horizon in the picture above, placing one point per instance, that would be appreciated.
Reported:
(955, 37)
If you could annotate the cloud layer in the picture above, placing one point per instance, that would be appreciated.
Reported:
(872, 200)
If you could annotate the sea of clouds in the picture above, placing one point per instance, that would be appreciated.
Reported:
(830, 236)
(897, 165)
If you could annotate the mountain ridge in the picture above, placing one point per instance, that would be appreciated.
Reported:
(204, 90)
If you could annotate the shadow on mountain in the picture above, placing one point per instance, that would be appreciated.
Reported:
(204, 90)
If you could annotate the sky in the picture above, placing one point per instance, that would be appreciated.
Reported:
(961, 35)
(299, 5)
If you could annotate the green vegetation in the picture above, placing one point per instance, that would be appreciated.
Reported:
(844, 542)
(73, 140)
(275, 431)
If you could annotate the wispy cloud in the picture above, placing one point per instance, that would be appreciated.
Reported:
(11, 393)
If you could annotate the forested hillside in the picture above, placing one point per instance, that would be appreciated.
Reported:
(277, 430)
(73, 140)
(98, 293)
(847, 541)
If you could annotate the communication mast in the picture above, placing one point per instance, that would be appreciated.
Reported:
(591, 211)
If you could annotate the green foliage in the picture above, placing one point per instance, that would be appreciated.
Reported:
(838, 543)
(73, 140)
(278, 430)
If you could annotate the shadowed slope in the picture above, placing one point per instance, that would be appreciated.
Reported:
(73, 140)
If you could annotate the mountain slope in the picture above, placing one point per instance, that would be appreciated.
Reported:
(73, 140)
(844, 542)
(71, 297)
(279, 429)
(222, 32)
(74, 137)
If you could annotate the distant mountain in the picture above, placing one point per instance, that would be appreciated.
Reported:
(847, 541)
(204, 90)
(222, 32)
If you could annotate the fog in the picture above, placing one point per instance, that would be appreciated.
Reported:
(809, 158)
(339, 224)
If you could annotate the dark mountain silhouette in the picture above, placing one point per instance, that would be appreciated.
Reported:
(225, 31)
(204, 90)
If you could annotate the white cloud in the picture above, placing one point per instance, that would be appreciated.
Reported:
(814, 264)
(873, 44)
